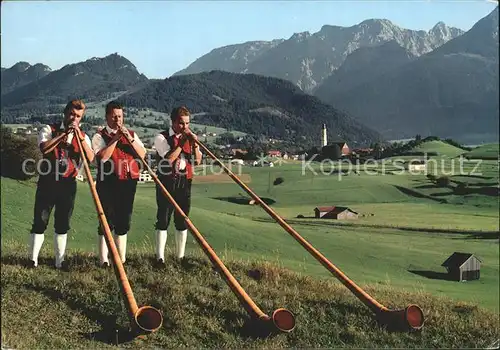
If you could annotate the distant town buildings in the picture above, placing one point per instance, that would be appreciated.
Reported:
(416, 165)
(145, 176)
(328, 150)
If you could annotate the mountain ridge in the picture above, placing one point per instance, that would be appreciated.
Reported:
(91, 79)
(251, 103)
(20, 74)
(451, 91)
(307, 59)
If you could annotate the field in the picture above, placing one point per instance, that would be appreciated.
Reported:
(407, 227)
(442, 148)
(489, 151)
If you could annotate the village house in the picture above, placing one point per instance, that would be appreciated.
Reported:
(416, 165)
(362, 151)
(235, 151)
(344, 148)
(22, 131)
(335, 212)
(274, 154)
(145, 177)
(237, 161)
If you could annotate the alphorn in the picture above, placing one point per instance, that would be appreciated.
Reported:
(281, 319)
(145, 319)
(410, 318)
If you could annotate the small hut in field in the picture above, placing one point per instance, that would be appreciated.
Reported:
(334, 212)
(463, 266)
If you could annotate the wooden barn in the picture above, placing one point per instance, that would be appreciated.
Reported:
(339, 213)
(463, 267)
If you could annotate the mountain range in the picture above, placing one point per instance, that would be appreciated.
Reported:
(307, 59)
(249, 103)
(451, 91)
(373, 78)
(22, 73)
(254, 104)
(93, 79)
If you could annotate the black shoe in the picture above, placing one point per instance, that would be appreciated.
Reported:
(105, 265)
(64, 266)
(30, 264)
(184, 262)
(160, 264)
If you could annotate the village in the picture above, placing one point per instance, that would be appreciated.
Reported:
(232, 151)
(235, 154)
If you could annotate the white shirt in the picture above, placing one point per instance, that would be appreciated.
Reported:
(162, 147)
(98, 142)
(45, 135)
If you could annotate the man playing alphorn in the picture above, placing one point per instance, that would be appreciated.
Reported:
(117, 176)
(174, 148)
(57, 181)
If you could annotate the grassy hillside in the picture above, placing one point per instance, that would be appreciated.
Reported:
(150, 116)
(394, 249)
(440, 147)
(253, 104)
(488, 151)
(83, 309)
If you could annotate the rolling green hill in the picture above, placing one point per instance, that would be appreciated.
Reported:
(489, 151)
(247, 231)
(439, 147)
(252, 104)
(395, 250)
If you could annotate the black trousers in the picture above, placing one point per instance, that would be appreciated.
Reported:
(180, 189)
(117, 199)
(49, 194)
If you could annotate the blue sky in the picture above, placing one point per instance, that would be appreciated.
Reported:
(162, 37)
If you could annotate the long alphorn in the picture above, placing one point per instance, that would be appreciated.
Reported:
(282, 319)
(145, 319)
(411, 317)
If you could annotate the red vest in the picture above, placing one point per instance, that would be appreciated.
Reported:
(173, 142)
(64, 157)
(122, 159)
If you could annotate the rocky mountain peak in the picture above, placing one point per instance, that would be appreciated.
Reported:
(20, 66)
(441, 31)
(307, 59)
(300, 36)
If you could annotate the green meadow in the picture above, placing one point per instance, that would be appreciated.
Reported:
(488, 151)
(407, 227)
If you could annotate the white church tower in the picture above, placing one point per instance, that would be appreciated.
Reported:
(323, 136)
